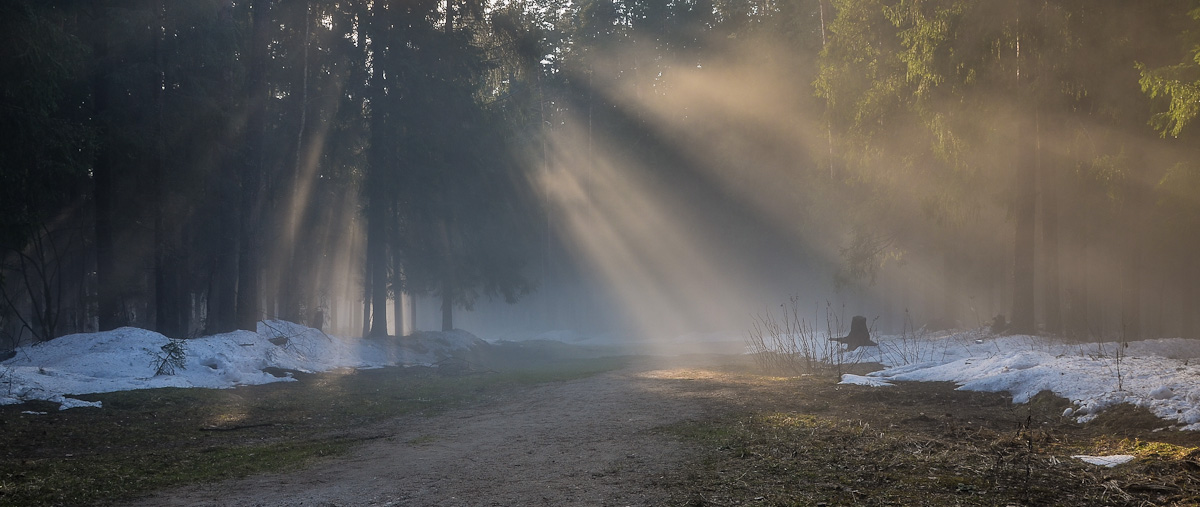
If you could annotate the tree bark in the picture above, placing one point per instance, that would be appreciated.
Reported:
(379, 162)
(295, 286)
(108, 299)
(412, 312)
(1025, 190)
(398, 289)
(377, 259)
(249, 309)
(1023, 244)
(366, 297)
(222, 289)
(448, 281)
(172, 305)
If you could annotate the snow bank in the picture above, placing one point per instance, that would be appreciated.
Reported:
(1159, 375)
(127, 358)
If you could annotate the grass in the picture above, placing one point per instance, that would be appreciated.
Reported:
(809, 441)
(145, 440)
(761, 440)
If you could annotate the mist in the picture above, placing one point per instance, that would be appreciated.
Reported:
(584, 252)
(653, 174)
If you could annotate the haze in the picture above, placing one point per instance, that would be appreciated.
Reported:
(656, 172)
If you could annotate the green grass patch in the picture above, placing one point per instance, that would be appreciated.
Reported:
(145, 440)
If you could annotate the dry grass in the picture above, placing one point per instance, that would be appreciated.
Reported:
(808, 441)
(150, 439)
(765, 440)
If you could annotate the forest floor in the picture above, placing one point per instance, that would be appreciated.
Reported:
(709, 430)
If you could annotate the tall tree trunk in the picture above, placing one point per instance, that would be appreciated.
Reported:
(222, 289)
(221, 316)
(412, 312)
(398, 289)
(377, 217)
(170, 309)
(368, 278)
(322, 260)
(1023, 244)
(828, 119)
(1025, 190)
(107, 294)
(448, 279)
(348, 283)
(379, 162)
(295, 287)
(377, 259)
(249, 309)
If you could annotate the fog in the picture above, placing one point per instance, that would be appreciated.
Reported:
(736, 199)
(654, 174)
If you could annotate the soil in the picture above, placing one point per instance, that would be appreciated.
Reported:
(584, 442)
(614, 439)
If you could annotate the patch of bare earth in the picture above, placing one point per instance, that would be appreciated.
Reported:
(714, 433)
(584, 442)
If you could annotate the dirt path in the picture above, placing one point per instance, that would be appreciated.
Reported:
(584, 442)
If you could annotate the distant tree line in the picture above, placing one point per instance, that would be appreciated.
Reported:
(194, 167)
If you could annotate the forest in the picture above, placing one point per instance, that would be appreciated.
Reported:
(195, 167)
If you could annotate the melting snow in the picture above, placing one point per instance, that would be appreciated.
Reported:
(1107, 461)
(863, 381)
(127, 358)
(1159, 375)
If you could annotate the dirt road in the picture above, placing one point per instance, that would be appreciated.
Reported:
(583, 442)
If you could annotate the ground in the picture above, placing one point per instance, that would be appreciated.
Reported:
(593, 441)
(711, 431)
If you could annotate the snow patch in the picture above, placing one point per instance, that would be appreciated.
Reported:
(1162, 393)
(127, 358)
(1158, 375)
(1106, 461)
(860, 380)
